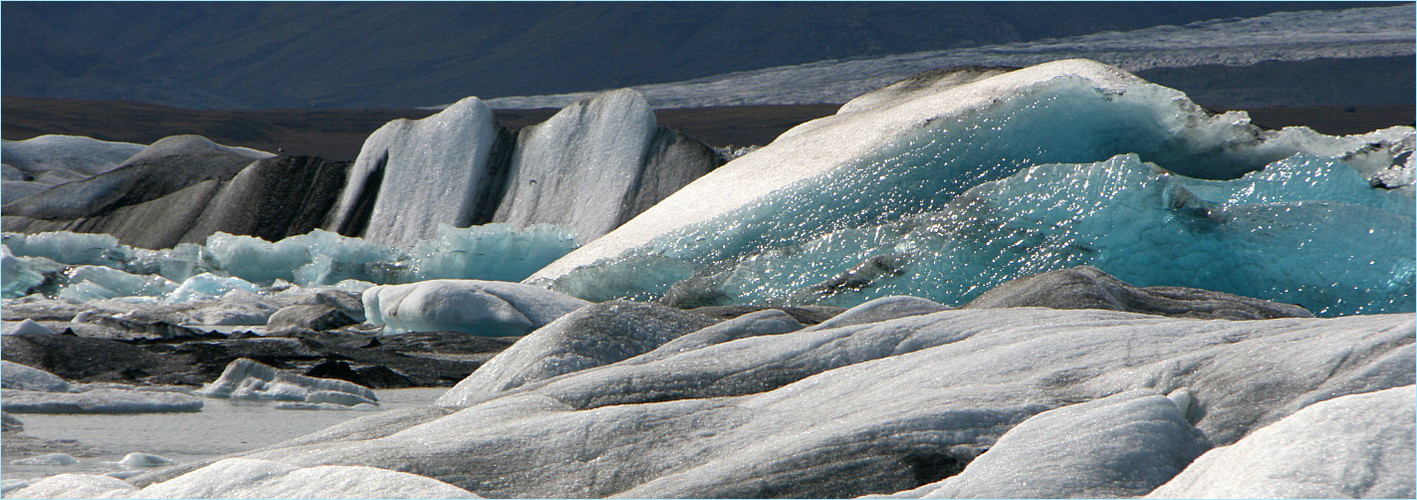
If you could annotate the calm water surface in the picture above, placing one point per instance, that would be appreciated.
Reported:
(223, 426)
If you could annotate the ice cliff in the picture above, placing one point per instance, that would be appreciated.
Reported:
(946, 191)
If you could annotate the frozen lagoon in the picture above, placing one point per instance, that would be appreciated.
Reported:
(223, 426)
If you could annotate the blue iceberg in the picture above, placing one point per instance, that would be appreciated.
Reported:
(1063, 170)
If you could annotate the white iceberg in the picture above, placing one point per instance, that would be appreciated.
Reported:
(17, 376)
(250, 379)
(101, 400)
(412, 175)
(487, 308)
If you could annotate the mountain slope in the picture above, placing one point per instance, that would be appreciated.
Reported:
(397, 54)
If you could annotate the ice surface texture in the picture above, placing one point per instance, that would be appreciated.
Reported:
(950, 193)
(880, 407)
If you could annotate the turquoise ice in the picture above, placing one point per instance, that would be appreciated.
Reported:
(1140, 183)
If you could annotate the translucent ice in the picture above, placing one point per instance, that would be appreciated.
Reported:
(93, 266)
(1061, 164)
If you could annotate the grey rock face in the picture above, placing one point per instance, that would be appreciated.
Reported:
(1086, 287)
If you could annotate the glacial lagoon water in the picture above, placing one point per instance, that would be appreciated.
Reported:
(223, 426)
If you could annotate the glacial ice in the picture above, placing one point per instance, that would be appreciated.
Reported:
(579, 167)
(871, 408)
(246, 478)
(1123, 445)
(140, 460)
(72, 265)
(1354, 446)
(99, 400)
(249, 379)
(948, 194)
(413, 175)
(590, 336)
(17, 376)
(486, 308)
(47, 459)
(41, 162)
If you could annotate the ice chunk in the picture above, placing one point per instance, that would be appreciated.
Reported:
(487, 308)
(17, 376)
(1355, 446)
(47, 459)
(27, 327)
(250, 379)
(67, 264)
(18, 275)
(103, 400)
(139, 460)
(94, 283)
(207, 286)
(956, 191)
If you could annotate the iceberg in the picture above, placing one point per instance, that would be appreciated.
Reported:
(99, 400)
(486, 308)
(47, 459)
(140, 460)
(17, 376)
(412, 175)
(944, 195)
(596, 164)
(250, 379)
(38, 163)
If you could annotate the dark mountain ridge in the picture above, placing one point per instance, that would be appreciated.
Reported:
(240, 55)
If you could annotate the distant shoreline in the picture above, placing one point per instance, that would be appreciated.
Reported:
(339, 134)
